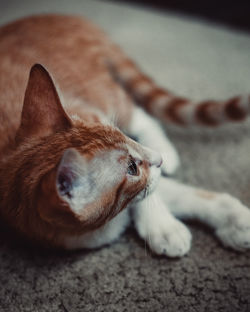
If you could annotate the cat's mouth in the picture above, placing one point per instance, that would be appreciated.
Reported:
(153, 180)
(155, 173)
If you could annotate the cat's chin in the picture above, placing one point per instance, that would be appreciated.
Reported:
(155, 173)
(153, 180)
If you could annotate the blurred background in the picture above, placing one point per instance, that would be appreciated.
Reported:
(231, 13)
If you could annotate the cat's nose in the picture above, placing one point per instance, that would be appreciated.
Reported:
(155, 160)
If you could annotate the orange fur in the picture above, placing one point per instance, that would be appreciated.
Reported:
(38, 125)
(35, 132)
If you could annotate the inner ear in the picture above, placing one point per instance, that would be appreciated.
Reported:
(42, 112)
(71, 169)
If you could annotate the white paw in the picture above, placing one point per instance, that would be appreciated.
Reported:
(173, 240)
(234, 232)
(171, 160)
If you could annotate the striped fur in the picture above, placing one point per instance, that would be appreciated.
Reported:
(169, 107)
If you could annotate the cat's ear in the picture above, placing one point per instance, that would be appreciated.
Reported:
(71, 173)
(67, 184)
(42, 112)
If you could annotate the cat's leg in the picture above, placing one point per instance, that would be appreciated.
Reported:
(164, 234)
(225, 214)
(105, 235)
(149, 133)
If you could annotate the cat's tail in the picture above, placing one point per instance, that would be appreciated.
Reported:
(169, 107)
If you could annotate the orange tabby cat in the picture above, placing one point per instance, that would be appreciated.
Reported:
(69, 176)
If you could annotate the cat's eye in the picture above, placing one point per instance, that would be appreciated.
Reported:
(132, 167)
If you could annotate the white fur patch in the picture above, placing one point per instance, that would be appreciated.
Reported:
(94, 178)
(107, 234)
(150, 133)
(225, 214)
(164, 234)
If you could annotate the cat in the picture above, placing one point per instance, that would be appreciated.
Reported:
(71, 176)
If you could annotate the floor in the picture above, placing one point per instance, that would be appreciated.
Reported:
(193, 58)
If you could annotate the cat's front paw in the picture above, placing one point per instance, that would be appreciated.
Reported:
(172, 240)
(171, 161)
(235, 231)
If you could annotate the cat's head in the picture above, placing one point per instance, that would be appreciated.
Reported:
(67, 176)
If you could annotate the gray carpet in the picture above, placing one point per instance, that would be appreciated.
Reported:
(195, 59)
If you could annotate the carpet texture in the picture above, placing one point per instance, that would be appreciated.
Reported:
(194, 59)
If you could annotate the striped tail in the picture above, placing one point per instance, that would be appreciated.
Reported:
(169, 107)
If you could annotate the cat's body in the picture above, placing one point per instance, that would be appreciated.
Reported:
(68, 178)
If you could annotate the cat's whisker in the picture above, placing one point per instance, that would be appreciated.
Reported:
(148, 204)
(147, 235)
(114, 119)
